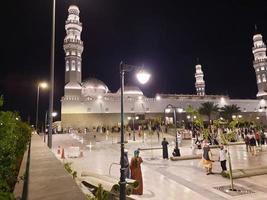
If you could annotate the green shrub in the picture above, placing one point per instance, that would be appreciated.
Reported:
(15, 136)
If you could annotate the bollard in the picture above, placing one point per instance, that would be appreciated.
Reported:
(62, 154)
(58, 150)
(81, 153)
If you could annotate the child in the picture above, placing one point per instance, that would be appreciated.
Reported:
(222, 158)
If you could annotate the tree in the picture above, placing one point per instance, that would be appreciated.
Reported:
(229, 110)
(208, 108)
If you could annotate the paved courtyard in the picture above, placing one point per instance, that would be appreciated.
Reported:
(164, 179)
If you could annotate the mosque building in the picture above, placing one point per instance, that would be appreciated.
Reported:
(89, 103)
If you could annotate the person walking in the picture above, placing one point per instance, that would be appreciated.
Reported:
(126, 162)
(207, 159)
(257, 137)
(246, 140)
(252, 143)
(222, 158)
(165, 144)
(136, 172)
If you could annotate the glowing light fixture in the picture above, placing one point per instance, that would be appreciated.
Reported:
(143, 76)
(180, 110)
(43, 85)
(167, 110)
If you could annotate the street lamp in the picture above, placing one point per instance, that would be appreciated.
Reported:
(42, 85)
(168, 109)
(52, 63)
(142, 77)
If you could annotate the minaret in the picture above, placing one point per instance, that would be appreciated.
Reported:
(260, 64)
(200, 83)
(73, 47)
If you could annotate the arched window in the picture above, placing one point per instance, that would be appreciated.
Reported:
(73, 65)
(79, 66)
(67, 65)
(259, 78)
(263, 78)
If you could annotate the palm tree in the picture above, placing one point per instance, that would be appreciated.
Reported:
(229, 110)
(208, 108)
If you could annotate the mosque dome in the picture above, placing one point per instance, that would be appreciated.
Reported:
(94, 87)
(131, 90)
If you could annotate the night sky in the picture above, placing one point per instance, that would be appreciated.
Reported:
(165, 36)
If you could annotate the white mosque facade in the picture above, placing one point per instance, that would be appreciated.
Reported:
(89, 103)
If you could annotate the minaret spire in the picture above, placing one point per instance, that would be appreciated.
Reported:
(73, 47)
(200, 83)
(260, 64)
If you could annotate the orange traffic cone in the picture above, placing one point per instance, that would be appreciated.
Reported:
(58, 150)
(62, 154)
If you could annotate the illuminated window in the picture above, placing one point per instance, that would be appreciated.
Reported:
(262, 68)
(72, 52)
(79, 66)
(257, 69)
(73, 65)
(67, 65)
(79, 54)
(259, 78)
(263, 78)
(67, 53)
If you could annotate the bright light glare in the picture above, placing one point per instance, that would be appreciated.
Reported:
(129, 118)
(43, 85)
(167, 110)
(99, 97)
(257, 118)
(54, 114)
(143, 76)
(188, 117)
(158, 97)
(180, 110)
(233, 116)
(136, 117)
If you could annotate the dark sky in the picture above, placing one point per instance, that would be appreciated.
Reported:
(166, 36)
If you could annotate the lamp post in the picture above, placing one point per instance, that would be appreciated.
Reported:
(45, 123)
(176, 150)
(40, 85)
(52, 62)
(142, 77)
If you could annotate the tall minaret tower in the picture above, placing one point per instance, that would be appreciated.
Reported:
(200, 83)
(73, 47)
(260, 64)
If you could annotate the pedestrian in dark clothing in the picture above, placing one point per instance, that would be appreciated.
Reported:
(126, 162)
(165, 144)
(246, 140)
(252, 143)
(263, 137)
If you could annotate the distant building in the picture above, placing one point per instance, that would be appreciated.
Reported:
(90, 103)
